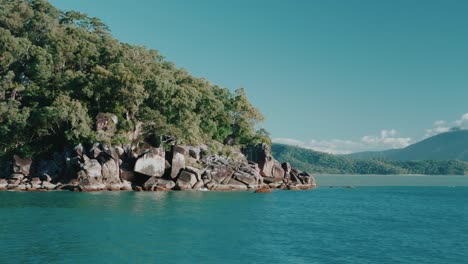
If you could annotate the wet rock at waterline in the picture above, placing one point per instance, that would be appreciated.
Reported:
(184, 168)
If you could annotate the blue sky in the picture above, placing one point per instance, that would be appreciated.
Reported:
(337, 76)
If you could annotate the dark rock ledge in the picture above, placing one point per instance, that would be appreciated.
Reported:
(183, 168)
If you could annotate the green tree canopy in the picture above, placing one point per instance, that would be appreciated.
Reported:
(58, 70)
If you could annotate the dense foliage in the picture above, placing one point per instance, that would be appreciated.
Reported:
(58, 70)
(318, 162)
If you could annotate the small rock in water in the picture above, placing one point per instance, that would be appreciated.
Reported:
(263, 190)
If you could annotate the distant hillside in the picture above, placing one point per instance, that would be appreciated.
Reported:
(318, 162)
(446, 146)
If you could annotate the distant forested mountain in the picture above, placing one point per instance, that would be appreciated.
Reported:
(452, 145)
(318, 162)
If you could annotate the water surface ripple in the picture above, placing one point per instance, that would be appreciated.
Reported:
(326, 225)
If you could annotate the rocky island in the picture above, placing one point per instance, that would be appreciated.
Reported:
(182, 168)
(81, 111)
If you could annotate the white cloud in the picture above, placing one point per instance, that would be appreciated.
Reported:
(386, 140)
(334, 146)
(442, 126)
(439, 123)
(436, 130)
(462, 122)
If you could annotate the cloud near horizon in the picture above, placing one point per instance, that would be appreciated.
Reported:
(388, 139)
(442, 126)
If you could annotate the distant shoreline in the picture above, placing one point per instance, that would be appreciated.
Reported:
(408, 180)
(386, 175)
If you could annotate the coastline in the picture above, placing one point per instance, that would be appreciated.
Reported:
(182, 168)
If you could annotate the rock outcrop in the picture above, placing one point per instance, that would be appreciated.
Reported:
(20, 179)
(3, 184)
(261, 154)
(178, 160)
(21, 166)
(152, 163)
(183, 168)
(101, 171)
(158, 184)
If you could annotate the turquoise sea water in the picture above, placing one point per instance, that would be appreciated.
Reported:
(365, 224)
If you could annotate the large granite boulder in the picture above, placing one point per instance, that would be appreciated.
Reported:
(95, 151)
(90, 184)
(254, 166)
(127, 157)
(48, 186)
(199, 186)
(261, 154)
(21, 165)
(36, 183)
(108, 158)
(93, 169)
(294, 175)
(188, 177)
(286, 167)
(3, 184)
(269, 180)
(220, 173)
(178, 160)
(252, 180)
(156, 183)
(231, 185)
(45, 178)
(300, 180)
(198, 172)
(151, 163)
(19, 187)
(277, 170)
(305, 178)
(183, 185)
(121, 186)
(110, 171)
(126, 175)
(16, 178)
(187, 180)
(90, 177)
(79, 151)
